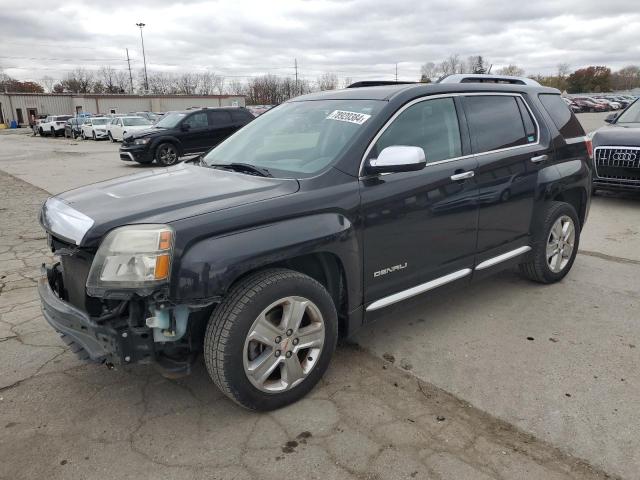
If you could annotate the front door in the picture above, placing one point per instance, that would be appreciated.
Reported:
(505, 138)
(19, 115)
(420, 227)
(195, 129)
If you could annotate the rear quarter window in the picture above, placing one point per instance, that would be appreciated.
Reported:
(563, 118)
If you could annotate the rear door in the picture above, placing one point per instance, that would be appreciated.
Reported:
(420, 227)
(220, 127)
(510, 150)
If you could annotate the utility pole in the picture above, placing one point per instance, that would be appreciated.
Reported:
(396, 72)
(130, 77)
(295, 65)
(144, 58)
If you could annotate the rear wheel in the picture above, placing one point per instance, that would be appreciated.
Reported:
(271, 339)
(556, 239)
(166, 154)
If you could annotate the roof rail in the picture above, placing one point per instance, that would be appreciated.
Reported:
(377, 83)
(487, 78)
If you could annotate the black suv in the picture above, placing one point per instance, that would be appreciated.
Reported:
(183, 133)
(312, 220)
(617, 151)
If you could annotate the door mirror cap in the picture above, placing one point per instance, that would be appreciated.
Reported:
(398, 158)
(611, 118)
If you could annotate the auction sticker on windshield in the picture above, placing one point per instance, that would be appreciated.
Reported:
(351, 117)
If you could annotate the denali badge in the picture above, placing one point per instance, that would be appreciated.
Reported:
(384, 271)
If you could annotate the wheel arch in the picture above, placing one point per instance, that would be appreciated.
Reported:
(172, 140)
(322, 246)
(577, 198)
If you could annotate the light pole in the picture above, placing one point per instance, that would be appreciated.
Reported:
(144, 58)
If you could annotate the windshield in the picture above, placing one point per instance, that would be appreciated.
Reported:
(170, 120)
(631, 114)
(99, 121)
(296, 139)
(135, 121)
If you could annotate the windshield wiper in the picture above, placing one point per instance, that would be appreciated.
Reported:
(243, 168)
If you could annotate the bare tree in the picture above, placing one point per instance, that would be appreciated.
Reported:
(47, 82)
(79, 81)
(346, 81)
(428, 72)
(236, 87)
(327, 81)
(512, 70)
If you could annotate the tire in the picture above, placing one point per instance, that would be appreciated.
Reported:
(166, 154)
(541, 266)
(41, 132)
(93, 135)
(111, 138)
(228, 346)
(82, 135)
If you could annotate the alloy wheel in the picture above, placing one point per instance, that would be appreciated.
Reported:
(168, 155)
(283, 344)
(560, 243)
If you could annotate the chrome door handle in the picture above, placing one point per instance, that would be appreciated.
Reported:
(462, 176)
(540, 158)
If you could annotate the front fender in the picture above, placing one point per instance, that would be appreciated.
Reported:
(208, 267)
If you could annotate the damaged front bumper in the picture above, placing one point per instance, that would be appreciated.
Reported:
(155, 333)
(102, 342)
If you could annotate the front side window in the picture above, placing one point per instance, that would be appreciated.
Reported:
(431, 125)
(197, 120)
(496, 122)
(297, 139)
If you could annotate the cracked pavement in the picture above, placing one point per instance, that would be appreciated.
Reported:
(369, 418)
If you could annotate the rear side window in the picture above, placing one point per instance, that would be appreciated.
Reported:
(564, 119)
(496, 122)
(219, 117)
(241, 115)
(432, 125)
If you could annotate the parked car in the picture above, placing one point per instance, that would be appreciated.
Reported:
(73, 127)
(120, 126)
(183, 133)
(610, 103)
(151, 116)
(94, 128)
(53, 125)
(589, 105)
(617, 151)
(261, 253)
(575, 108)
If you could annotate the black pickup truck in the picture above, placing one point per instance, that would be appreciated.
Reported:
(312, 220)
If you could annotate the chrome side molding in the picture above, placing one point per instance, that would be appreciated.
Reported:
(418, 289)
(502, 258)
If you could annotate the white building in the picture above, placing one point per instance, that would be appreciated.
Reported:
(20, 106)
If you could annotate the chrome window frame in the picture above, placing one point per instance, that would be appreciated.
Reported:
(361, 173)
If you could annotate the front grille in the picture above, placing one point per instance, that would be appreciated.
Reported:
(618, 163)
(75, 264)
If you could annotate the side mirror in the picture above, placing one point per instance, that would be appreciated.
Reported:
(399, 158)
(611, 118)
(185, 127)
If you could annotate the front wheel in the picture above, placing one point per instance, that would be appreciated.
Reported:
(166, 154)
(555, 243)
(271, 339)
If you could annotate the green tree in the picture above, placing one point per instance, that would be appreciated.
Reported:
(591, 79)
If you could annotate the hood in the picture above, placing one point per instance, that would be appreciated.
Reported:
(147, 131)
(618, 135)
(166, 195)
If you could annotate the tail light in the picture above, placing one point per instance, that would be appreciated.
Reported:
(589, 144)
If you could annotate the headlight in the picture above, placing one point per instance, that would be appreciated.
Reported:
(132, 257)
(141, 141)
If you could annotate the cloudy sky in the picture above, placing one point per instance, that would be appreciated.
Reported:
(351, 38)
